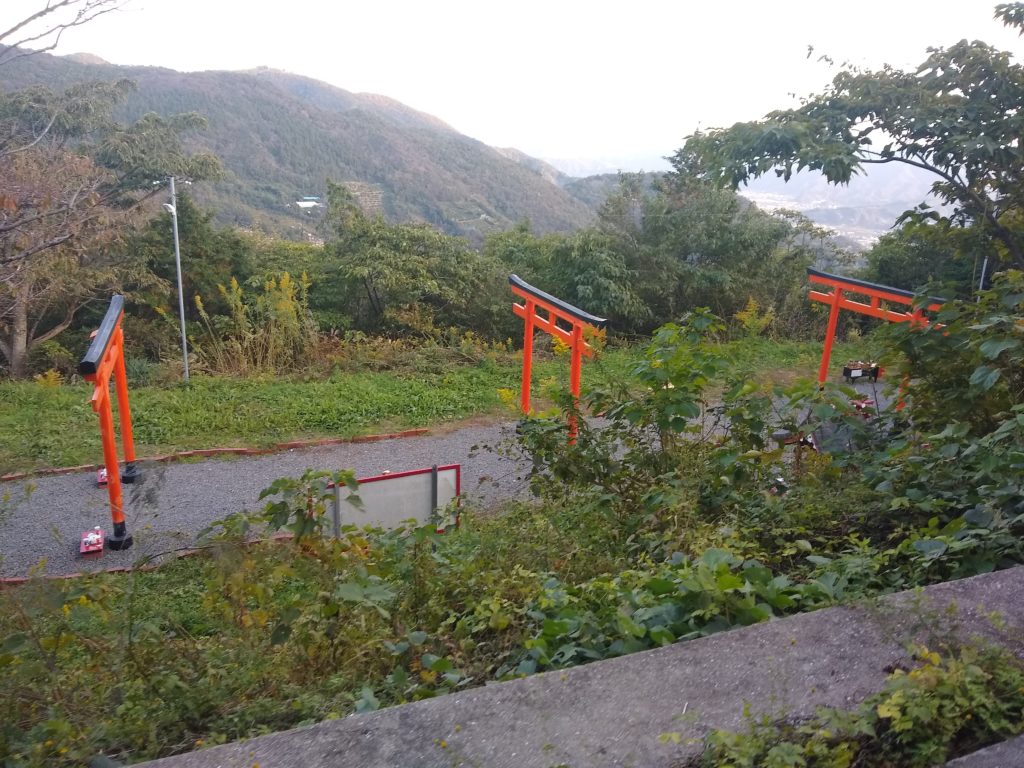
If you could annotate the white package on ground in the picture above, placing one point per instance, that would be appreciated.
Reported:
(389, 501)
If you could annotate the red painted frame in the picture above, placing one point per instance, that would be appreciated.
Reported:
(535, 302)
(839, 299)
(411, 472)
(427, 471)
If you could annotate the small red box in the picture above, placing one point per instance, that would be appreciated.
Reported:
(101, 477)
(92, 541)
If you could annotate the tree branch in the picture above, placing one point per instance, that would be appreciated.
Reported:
(29, 252)
(979, 203)
(42, 134)
(59, 327)
(88, 10)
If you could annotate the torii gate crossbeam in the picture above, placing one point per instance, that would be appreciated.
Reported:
(879, 298)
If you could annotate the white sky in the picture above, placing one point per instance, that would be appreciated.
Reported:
(624, 81)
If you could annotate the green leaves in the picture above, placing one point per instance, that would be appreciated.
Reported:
(644, 609)
(992, 348)
(367, 591)
(11, 648)
(984, 377)
(367, 701)
(930, 548)
(944, 707)
(956, 116)
(980, 343)
(304, 501)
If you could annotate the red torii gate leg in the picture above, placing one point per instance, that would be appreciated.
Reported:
(120, 539)
(524, 398)
(131, 471)
(830, 336)
(575, 372)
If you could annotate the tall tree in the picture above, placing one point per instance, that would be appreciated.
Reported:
(210, 257)
(917, 255)
(407, 278)
(589, 272)
(959, 116)
(43, 278)
(64, 194)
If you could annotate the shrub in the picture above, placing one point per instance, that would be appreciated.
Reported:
(946, 706)
(271, 333)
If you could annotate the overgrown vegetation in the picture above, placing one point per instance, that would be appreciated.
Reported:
(678, 519)
(949, 705)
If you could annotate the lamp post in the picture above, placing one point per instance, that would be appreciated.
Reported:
(172, 208)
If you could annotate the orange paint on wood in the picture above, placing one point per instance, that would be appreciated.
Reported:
(838, 299)
(546, 313)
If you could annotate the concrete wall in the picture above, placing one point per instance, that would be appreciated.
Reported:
(612, 713)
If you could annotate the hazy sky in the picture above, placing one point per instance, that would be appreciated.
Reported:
(557, 79)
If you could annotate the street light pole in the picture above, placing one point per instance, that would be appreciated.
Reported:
(173, 210)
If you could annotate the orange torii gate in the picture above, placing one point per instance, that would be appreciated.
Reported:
(561, 320)
(879, 296)
(105, 358)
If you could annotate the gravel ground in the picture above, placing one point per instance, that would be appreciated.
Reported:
(174, 501)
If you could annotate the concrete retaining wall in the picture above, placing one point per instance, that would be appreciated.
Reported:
(612, 713)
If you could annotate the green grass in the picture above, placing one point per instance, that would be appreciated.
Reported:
(54, 426)
(783, 361)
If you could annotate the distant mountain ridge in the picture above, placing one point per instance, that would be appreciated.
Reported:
(281, 136)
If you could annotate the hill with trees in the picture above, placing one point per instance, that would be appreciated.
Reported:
(281, 137)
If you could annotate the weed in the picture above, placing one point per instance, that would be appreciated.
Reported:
(946, 706)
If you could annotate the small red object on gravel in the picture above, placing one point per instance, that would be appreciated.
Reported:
(101, 477)
(92, 541)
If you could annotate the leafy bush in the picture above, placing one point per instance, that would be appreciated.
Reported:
(50, 355)
(272, 333)
(659, 605)
(753, 320)
(945, 707)
(980, 343)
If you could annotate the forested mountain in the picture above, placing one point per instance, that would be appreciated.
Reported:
(281, 136)
(594, 190)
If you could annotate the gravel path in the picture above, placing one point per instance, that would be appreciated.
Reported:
(177, 500)
(174, 501)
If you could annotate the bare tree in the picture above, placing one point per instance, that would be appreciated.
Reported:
(42, 30)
